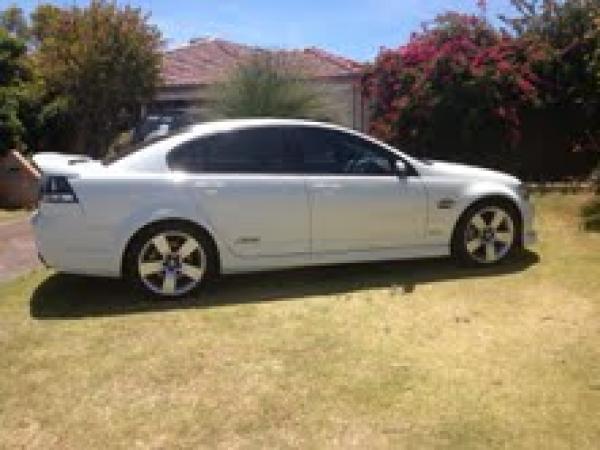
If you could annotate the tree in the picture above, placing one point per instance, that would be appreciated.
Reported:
(266, 86)
(13, 73)
(455, 91)
(571, 75)
(97, 66)
(13, 20)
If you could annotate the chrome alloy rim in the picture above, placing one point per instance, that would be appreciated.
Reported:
(172, 263)
(489, 235)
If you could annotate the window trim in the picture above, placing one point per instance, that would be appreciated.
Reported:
(279, 128)
(291, 148)
(390, 156)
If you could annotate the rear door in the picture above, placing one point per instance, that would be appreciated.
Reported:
(244, 181)
(358, 200)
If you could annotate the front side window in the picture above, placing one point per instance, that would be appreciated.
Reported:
(257, 150)
(324, 151)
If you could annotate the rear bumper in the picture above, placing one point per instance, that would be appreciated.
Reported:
(66, 244)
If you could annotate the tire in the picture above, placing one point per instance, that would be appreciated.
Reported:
(170, 260)
(487, 233)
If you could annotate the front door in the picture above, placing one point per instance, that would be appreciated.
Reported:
(358, 200)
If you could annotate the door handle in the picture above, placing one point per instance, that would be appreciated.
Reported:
(208, 184)
(326, 185)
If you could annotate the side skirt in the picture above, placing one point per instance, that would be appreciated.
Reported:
(285, 262)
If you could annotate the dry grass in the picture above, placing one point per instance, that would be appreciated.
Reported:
(8, 215)
(405, 355)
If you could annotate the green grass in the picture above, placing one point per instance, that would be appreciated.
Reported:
(404, 355)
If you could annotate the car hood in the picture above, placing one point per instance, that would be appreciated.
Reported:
(442, 168)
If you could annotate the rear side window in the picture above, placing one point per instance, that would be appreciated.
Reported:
(324, 151)
(257, 150)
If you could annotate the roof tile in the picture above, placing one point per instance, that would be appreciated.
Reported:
(206, 61)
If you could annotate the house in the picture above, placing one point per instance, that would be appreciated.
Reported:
(19, 181)
(190, 71)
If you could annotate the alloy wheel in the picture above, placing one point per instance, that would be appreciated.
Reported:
(489, 235)
(172, 263)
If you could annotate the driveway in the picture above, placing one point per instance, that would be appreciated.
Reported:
(18, 253)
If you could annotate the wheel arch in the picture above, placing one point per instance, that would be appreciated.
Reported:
(200, 229)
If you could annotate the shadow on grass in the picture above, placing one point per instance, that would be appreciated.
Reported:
(591, 215)
(68, 296)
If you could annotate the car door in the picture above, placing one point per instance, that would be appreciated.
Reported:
(243, 181)
(359, 201)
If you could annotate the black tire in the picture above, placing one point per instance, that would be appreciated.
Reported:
(140, 240)
(460, 236)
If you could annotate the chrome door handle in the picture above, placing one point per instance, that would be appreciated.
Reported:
(326, 185)
(208, 184)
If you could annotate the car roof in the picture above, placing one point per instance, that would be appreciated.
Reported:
(231, 124)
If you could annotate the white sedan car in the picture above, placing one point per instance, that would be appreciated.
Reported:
(250, 195)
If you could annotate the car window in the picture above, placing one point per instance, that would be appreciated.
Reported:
(257, 150)
(324, 151)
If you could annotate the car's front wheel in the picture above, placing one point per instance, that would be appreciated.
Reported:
(487, 233)
(170, 260)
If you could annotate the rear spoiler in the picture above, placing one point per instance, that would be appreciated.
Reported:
(63, 164)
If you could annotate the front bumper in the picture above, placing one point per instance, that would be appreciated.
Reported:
(530, 236)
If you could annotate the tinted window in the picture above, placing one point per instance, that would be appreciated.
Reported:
(258, 150)
(333, 152)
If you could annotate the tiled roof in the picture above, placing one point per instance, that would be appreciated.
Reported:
(206, 61)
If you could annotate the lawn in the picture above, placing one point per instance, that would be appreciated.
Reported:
(405, 355)
(8, 215)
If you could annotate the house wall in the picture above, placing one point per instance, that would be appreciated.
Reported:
(19, 182)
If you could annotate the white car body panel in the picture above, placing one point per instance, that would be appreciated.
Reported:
(261, 222)
(365, 213)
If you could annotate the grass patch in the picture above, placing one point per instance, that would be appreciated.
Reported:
(415, 354)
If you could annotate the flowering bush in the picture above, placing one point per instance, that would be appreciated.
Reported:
(456, 90)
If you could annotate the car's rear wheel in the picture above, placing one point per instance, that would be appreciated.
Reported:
(170, 260)
(487, 233)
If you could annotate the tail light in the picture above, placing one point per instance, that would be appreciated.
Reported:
(57, 189)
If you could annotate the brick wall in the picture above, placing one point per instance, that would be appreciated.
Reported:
(19, 182)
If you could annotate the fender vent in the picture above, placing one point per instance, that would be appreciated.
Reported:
(446, 203)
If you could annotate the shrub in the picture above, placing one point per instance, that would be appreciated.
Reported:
(455, 91)
(267, 86)
(569, 140)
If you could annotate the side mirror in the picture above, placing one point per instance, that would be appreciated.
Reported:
(401, 168)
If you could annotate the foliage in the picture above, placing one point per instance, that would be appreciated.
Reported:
(266, 86)
(13, 73)
(13, 20)
(524, 100)
(455, 90)
(99, 65)
(571, 29)
(91, 70)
